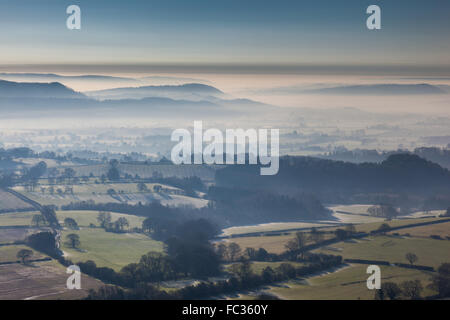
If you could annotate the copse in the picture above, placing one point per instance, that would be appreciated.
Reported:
(441, 281)
(70, 223)
(49, 214)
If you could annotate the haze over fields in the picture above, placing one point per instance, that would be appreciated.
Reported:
(88, 170)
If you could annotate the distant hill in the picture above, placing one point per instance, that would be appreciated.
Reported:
(9, 89)
(23, 99)
(381, 89)
(57, 77)
(190, 91)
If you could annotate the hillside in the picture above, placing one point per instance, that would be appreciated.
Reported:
(185, 91)
(10, 89)
(398, 173)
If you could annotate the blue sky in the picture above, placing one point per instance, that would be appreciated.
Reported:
(322, 32)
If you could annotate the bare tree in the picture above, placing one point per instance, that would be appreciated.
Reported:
(234, 251)
(24, 255)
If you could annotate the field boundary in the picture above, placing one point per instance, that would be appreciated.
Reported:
(33, 203)
(28, 261)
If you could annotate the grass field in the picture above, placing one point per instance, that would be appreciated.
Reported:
(441, 229)
(367, 227)
(205, 173)
(124, 193)
(10, 235)
(347, 283)
(17, 218)
(393, 249)
(9, 202)
(109, 249)
(85, 217)
(42, 280)
(9, 253)
(273, 244)
(267, 227)
(101, 188)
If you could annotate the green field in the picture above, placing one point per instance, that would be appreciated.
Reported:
(85, 217)
(9, 253)
(16, 218)
(205, 173)
(9, 202)
(440, 229)
(109, 249)
(367, 227)
(98, 192)
(346, 284)
(393, 249)
(273, 244)
(267, 227)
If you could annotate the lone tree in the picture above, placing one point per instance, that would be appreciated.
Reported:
(142, 187)
(73, 240)
(71, 223)
(24, 255)
(411, 257)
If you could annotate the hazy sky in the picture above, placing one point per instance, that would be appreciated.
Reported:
(317, 32)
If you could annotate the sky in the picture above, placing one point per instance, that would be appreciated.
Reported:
(256, 34)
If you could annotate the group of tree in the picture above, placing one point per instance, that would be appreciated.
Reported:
(35, 172)
(336, 181)
(47, 217)
(44, 242)
(49, 214)
(383, 211)
(410, 289)
(118, 226)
